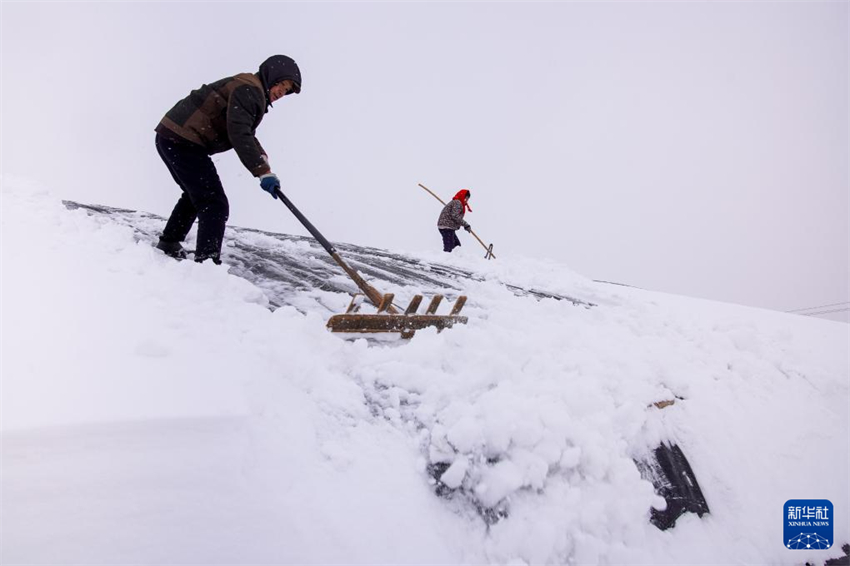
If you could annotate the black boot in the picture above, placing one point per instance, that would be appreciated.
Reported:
(216, 259)
(173, 249)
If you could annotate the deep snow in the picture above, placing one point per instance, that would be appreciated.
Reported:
(156, 411)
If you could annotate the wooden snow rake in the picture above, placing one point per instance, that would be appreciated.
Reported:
(387, 318)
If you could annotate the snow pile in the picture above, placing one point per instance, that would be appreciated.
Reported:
(159, 412)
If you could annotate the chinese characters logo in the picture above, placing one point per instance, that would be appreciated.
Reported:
(808, 524)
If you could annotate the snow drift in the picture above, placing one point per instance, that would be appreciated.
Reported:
(156, 411)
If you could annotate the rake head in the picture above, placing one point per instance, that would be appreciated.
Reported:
(388, 319)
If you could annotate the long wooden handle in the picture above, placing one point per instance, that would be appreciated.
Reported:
(489, 250)
(371, 293)
(432, 194)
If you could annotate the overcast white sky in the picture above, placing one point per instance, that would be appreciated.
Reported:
(698, 148)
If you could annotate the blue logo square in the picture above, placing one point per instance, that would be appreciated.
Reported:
(808, 524)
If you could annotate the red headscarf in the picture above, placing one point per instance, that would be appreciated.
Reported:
(463, 196)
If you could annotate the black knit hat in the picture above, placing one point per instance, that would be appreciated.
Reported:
(278, 68)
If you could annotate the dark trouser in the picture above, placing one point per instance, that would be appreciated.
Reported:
(450, 240)
(203, 197)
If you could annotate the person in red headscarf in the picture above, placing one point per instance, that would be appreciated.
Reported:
(451, 219)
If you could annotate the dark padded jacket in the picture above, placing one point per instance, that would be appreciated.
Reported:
(221, 116)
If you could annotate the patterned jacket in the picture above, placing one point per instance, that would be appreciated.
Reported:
(221, 116)
(451, 217)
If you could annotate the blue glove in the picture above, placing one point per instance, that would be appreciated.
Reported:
(270, 183)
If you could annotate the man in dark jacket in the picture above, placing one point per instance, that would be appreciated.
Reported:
(451, 219)
(217, 117)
